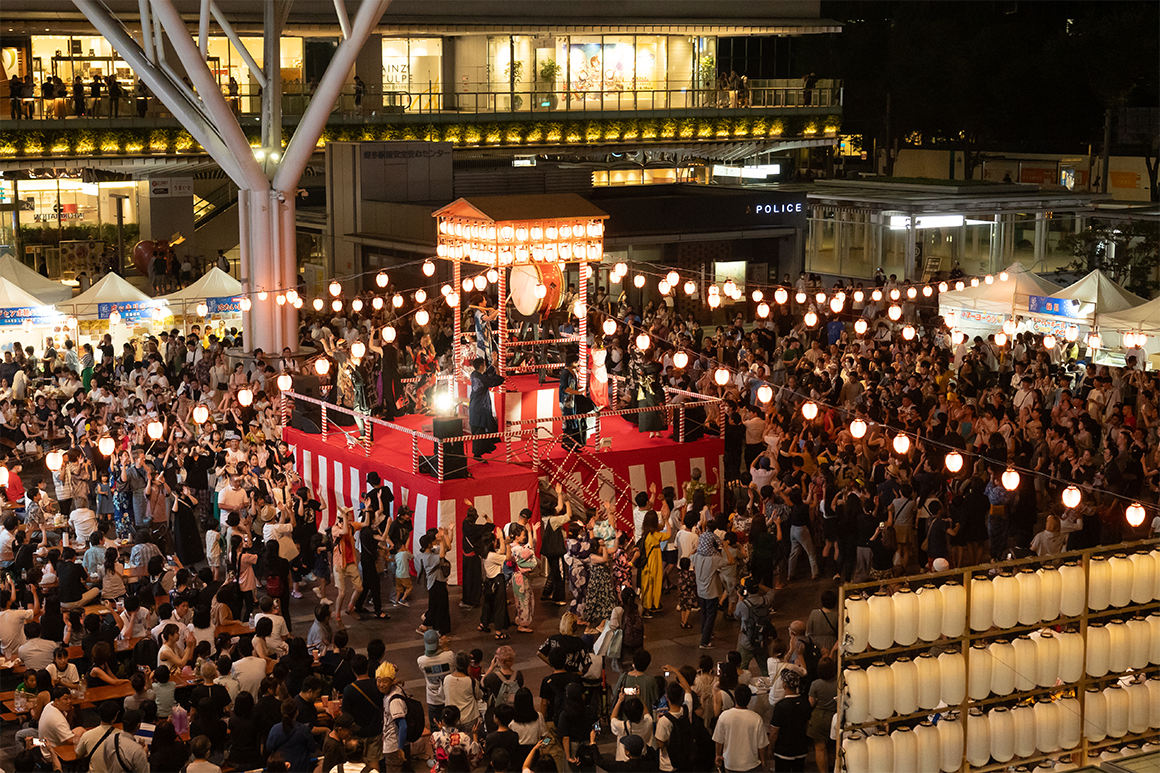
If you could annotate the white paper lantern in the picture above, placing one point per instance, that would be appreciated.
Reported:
(1119, 646)
(1046, 725)
(1047, 659)
(1139, 642)
(1050, 585)
(954, 609)
(881, 634)
(978, 743)
(1006, 604)
(856, 754)
(1001, 728)
(905, 747)
(1099, 641)
(857, 623)
(979, 686)
(1070, 656)
(857, 695)
(1154, 626)
(1029, 597)
(1138, 707)
(929, 681)
(982, 604)
(1026, 663)
(1072, 591)
(880, 751)
(905, 686)
(1099, 583)
(1117, 699)
(1143, 577)
(1002, 667)
(1095, 715)
(950, 742)
(930, 612)
(927, 753)
(953, 677)
(1121, 586)
(1154, 701)
(881, 680)
(1070, 724)
(1023, 721)
(905, 617)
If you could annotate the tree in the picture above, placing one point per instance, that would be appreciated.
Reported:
(1128, 252)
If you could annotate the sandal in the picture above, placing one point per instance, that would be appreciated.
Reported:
(501, 637)
(382, 616)
(483, 628)
(525, 630)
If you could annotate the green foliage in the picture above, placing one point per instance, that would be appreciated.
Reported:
(1128, 252)
(549, 70)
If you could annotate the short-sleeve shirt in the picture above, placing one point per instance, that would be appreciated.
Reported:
(431, 561)
(394, 708)
(12, 630)
(435, 669)
(791, 716)
(53, 726)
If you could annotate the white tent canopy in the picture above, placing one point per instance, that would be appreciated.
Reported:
(215, 284)
(1098, 294)
(1144, 318)
(983, 309)
(12, 296)
(46, 291)
(111, 288)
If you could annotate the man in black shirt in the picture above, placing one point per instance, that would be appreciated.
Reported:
(362, 699)
(554, 684)
(70, 577)
(307, 713)
(504, 738)
(791, 717)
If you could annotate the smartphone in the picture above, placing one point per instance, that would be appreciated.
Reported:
(38, 742)
(596, 725)
(668, 673)
(142, 669)
(632, 691)
(545, 741)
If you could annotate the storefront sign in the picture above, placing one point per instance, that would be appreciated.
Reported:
(170, 187)
(59, 212)
(127, 309)
(38, 315)
(979, 317)
(225, 305)
(1056, 307)
(777, 209)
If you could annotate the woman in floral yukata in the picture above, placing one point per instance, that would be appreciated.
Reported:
(523, 559)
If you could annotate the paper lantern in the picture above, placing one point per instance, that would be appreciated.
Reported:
(858, 429)
(202, 310)
(809, 410)
(318, 303)
(420, 296)
(106, 445)
(1119, 646)
(642, 341)
(638, 281)
(53, 460)
(763, 310)
(285, 382)
(1072, 590)
(855, 753)
(1154, 626)
(664, 287)
(1047, 659)
(1026, 662)
(1006, 600)
(1138, 707)
(929, 681)
(905, 747)
(930, 612)
(453, 300)
(155, 430)
(952, 676)
(820, 298)
(680, 359)
(389, 334)
(1154, 701)
(1010, 479)
(836, 305)
(1070, 656)
(908, 332)
(1139, 642)
(810, 319)
(1001, 338)
(779, 295)
(1099, 583)
(765, 393)
(880, 678)
(467, 284)
(1134, 513)
(1001, 731)
(1143, 577)
(336, 289)
(1070, 725)
(905, 686)
(959, 285)
(1098, 642)
(621, 268)
(322, 366)
(860, 326)
(1117, 700)
(1050, 585)
(1023, 725)
(721, 376)
(876, 295)
(691, 288)
(978, 743)
(950, 742)
(927, 753)
(880, 751)
(1095, 715)
(245, 396)
(957, 337)
(894, 312)
(356, 305)
(881, 631)
(974, 281)
(979, 683)
(901, 444)
(4, 471)
(714, 301)
(1002, 667)
(358, 350)
(1120, 593)
(1046, 725)
(200, 414)
(428, 270)
(857, 695)
(1029, 597)
(336, 305)
(982, 604)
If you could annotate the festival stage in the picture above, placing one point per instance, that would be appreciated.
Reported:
(335, 469)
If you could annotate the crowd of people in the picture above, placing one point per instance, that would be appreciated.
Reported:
(151, 567)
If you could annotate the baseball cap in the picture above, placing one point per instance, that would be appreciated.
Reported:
(633, 744)
(431, 642)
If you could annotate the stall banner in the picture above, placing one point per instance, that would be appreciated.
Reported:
(1044, 326)
(225, 305)
(978, 317)
(1056, 307)
(127, 309)
(38, 315)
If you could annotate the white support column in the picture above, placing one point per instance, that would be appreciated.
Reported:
(146, 31)
(256, 71)
(343, 19)
(203, 29)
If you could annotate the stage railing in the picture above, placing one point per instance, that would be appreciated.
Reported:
(525, 431)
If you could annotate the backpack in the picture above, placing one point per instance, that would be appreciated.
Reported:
(681, 746)
(755, 623)
(552, 545)
(641, 555)
(274, 585)
(632, 631)
(506, 692)
(415, 717)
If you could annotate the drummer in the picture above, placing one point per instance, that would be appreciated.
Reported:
(484, 316)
